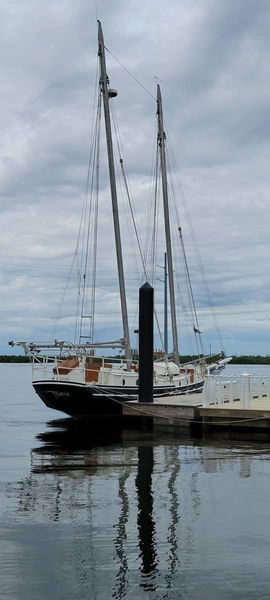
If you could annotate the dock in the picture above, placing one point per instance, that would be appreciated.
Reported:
(189, 414)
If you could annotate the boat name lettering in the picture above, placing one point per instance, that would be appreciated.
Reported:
(59, 394)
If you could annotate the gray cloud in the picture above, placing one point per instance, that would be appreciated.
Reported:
(212, 60)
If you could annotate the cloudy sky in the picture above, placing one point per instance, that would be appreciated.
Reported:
(212, 60)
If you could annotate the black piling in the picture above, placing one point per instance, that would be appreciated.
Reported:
(146, 312)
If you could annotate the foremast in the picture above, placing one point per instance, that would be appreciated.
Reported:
(161, 143)
(104, 83)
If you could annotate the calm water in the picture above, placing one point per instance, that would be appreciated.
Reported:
(128, 515)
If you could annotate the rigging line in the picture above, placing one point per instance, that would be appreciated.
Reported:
(207, 290)
(96, 215)
(87, 233)
(127, 188)
(188, 322)
(186, 272)
(130, 74)
(143, 256)
(94, 271)
(133, 217)
(188, 318)
(92, 146)
(186, 310)
(149, 219)
(191, 315)
(156, 207)
(130, 223)
(60, 308)
(150, 246)
(92, 208)
(138, 241)
(122, 177)
(118, 140)
(77, 308)
(133, 222)
(81, 232)
(151, 196)
(86, 236)
(191, 292)
(75, 254)
(157, 192)
(62, 301)
(155, 215)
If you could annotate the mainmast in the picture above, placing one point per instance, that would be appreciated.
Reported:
(161, 142)
(104, 83)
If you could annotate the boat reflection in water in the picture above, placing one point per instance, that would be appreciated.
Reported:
(77, 443)
(139, 515)
(105, 482)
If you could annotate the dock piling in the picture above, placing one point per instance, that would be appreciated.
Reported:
(146, 312)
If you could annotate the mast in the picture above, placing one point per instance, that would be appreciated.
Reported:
(165, 304)
(161, 143)
(104, 82)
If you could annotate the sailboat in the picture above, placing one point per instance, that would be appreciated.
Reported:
(69, 377)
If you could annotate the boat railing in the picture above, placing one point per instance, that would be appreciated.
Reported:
(45, 367)
(244, 391)
(42, 367)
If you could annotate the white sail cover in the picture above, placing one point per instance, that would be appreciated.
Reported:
(165, 368)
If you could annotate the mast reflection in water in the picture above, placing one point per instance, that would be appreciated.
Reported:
(146, 525)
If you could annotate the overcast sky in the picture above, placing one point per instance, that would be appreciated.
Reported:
(212, 60)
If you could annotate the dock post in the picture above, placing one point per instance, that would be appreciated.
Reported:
(245, 390)
(146, 312)
(209, 395)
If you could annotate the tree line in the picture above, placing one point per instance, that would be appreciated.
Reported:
(244, 359)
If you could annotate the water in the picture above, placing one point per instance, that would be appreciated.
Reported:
(237, 370)
(101, 515)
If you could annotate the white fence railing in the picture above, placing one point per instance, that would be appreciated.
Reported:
(244, 391)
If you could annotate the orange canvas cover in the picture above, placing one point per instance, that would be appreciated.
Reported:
(91, 372)
(92, 369)
(190, 372)
(66, 365)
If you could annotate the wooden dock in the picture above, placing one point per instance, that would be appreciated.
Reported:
(188, 414)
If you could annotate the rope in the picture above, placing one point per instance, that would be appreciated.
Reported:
(93, 206)
(190, 293)
(132, 212)
(128, 194)
(150, 414)
(206, 286)
(130, 74)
